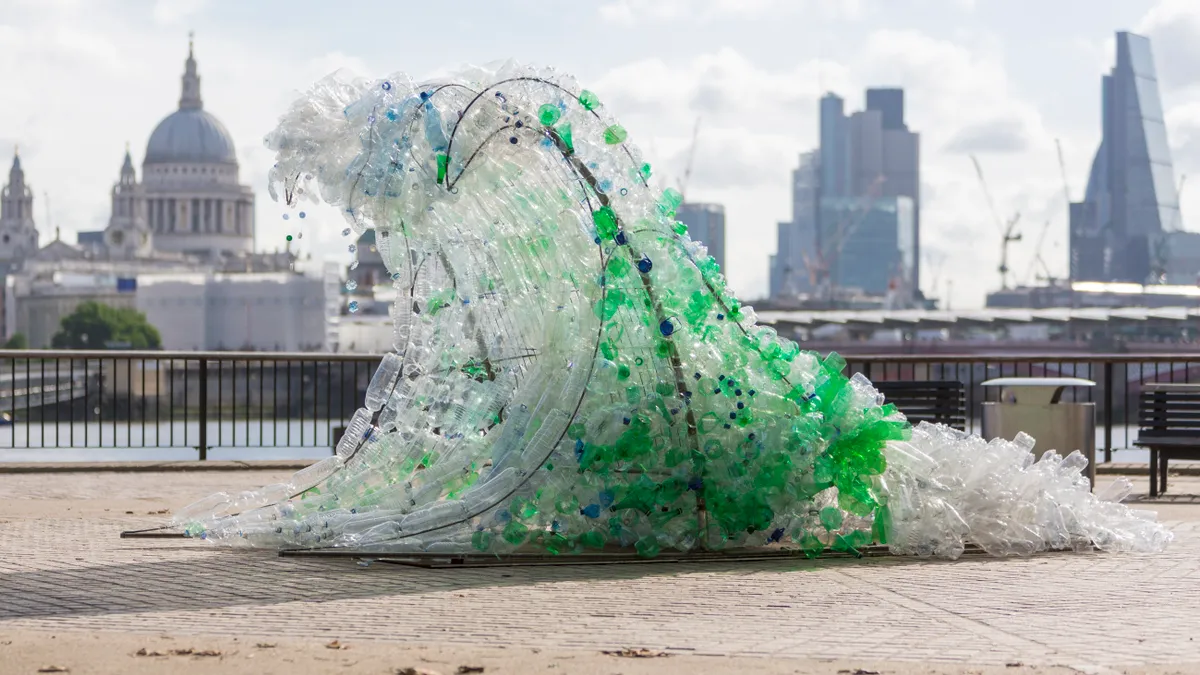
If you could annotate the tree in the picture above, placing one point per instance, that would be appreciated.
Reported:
(17, 341)
(97, 326)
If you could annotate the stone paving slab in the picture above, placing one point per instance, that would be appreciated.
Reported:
(69, 571)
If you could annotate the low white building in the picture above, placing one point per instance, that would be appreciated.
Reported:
(269, 311)
(369, 334)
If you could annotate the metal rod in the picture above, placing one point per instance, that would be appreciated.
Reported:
(1108, 411)
(220, 402)
(203, 408)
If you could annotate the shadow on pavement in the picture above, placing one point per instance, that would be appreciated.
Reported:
(226, 578)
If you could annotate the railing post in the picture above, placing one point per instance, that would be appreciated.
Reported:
(203, 408)
(1108, 413)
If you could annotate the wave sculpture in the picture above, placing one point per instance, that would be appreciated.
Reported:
(571, 373)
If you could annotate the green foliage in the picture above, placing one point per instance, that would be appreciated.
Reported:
(97, 326)
(17, 341)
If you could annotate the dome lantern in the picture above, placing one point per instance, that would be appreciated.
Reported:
(191, 134)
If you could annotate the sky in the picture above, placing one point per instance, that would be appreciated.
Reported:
(997, 79)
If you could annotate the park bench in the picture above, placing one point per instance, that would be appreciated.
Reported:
(934, 401)
(1169, 427)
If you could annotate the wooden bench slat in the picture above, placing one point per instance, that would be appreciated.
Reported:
(1169, 417)
(938, 401)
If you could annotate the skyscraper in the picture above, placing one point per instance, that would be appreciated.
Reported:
(706, 223)
(890, 103)
(1120, 231)
(864, 179)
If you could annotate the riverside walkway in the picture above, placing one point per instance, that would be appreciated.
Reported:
(75, 596)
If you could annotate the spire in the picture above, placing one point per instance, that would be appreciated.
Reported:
(16, 175)
(128, 175)
(16, 199)
(190, 100)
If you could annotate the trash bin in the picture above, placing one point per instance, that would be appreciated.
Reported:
(1032, 405)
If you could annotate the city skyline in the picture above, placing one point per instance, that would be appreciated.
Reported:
(972, 87)
(855, 206)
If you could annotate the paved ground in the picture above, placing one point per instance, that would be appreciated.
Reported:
(64, 572)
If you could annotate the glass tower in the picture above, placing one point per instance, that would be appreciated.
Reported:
(706, 223)
(1119, 231)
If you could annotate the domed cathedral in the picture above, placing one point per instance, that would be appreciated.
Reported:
(178, 246)
(18, 235)
(194, 204)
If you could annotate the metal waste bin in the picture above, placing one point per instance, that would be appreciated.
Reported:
(1032, 405)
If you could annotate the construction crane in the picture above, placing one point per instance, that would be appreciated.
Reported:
(691, 158)
(1179, 201)
(1009, 237)
(819, 270)
(1031, 272)
(933, 261)
(1062, 167)
(1007, 231)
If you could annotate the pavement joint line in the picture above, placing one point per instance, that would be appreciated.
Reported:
(954, 616)
(65, 570)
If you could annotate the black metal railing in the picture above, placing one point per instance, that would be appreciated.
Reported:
(206, 400)
(197, 400)
(1119, 379)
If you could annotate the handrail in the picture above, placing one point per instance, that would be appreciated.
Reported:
(129, 354)
(1023, 358)
(234, 399)
(1008, 357)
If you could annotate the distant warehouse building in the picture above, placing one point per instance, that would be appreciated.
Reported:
(269, 311)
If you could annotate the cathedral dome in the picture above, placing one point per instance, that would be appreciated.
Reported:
(190, 136)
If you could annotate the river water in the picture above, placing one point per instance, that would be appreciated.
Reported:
(295, 439)
(167, 441)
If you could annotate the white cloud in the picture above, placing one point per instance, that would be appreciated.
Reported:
(1004, 134)
(76, 88)
(1174, 28)
(636, 11)
(757, 118)
(176, 11)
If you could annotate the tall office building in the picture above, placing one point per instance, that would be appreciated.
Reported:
(864, 177)
(790, 273)
(880, 247)
(890, 103)
(1122, 230)
(706, 223)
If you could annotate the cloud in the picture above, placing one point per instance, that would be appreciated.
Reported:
(755, 118)
(1174, 28)
(631, 12)
(176, 11)
(1001, 135)
(77, 85)
(747, 137)
(76, 88)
